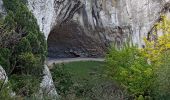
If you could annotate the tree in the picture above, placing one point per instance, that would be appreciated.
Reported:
(155, 47)
(23, 46)
(35, 44)
(129, 68)
(20, 34)
(30, 65)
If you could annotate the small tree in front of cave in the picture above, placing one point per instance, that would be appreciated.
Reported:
(155, 47)
(130, 69)
(129, 65)
(158, 52)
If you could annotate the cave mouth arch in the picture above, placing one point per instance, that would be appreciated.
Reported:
(70, 41)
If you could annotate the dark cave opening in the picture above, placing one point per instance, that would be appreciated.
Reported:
(70, 41)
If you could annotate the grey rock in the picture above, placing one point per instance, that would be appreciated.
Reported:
(92, 25)
(4, 80)
(2, 9)
(3, 76)
(47, 87)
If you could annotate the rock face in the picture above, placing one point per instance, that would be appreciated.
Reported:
(44, 11)
(3, 76)
(4, 80)
(81, 28)
(2, 9)
(47, 85)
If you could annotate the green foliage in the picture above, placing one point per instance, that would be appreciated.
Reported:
(26, 25)
(156, 47)
(24, 1)
(140, 98)
(22, 47)
(5, 91)
(35, 44)
(158, 53)
(161, 85)
(25, 85)
(9, 22)
(30, 64)
(4, 57)
(11, 4)
(129, 68)
(22, 21)
(62, 80)
(84, 81)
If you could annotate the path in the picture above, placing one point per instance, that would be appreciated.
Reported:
(50, 61)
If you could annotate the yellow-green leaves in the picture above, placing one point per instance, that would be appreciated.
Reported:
(155, 47)
(130, 69)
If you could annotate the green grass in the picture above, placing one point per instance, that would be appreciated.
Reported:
(85, 70)
(89, 80)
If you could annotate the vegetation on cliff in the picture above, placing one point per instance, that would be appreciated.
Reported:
(22, 48)
(144, 73)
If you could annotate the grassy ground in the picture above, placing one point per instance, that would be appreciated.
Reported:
(85, 70)
(90, 82)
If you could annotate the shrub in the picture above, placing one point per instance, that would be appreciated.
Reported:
(21, 21)
(30, 65)
(155, 47)
(129, 68)
(5, 91)
(4, 58)
(158, 52)
(9, 22)
(20, 35)
(23, 46)
(25, 85)
(35, 44)
(161, 85)
(62, 80)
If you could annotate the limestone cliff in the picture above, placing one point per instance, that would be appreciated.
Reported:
(87, 27)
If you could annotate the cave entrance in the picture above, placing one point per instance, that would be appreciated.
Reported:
(70, 41)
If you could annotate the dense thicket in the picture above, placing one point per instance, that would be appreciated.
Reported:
(144, 73)
(22, 47)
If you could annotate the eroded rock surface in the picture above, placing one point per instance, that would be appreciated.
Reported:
(3, 76)
(94, 24)
(2, 9)
(47, 85)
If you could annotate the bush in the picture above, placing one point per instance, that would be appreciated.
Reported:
(129, 68)
(161, 85)
(21, 22)
(5, 91)
(20, 35)
(35, 44)
(158, 52)
(4, 58)
(23, 46)
(25, 85)
(62, 80)
(9, 22)
(30, 65)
